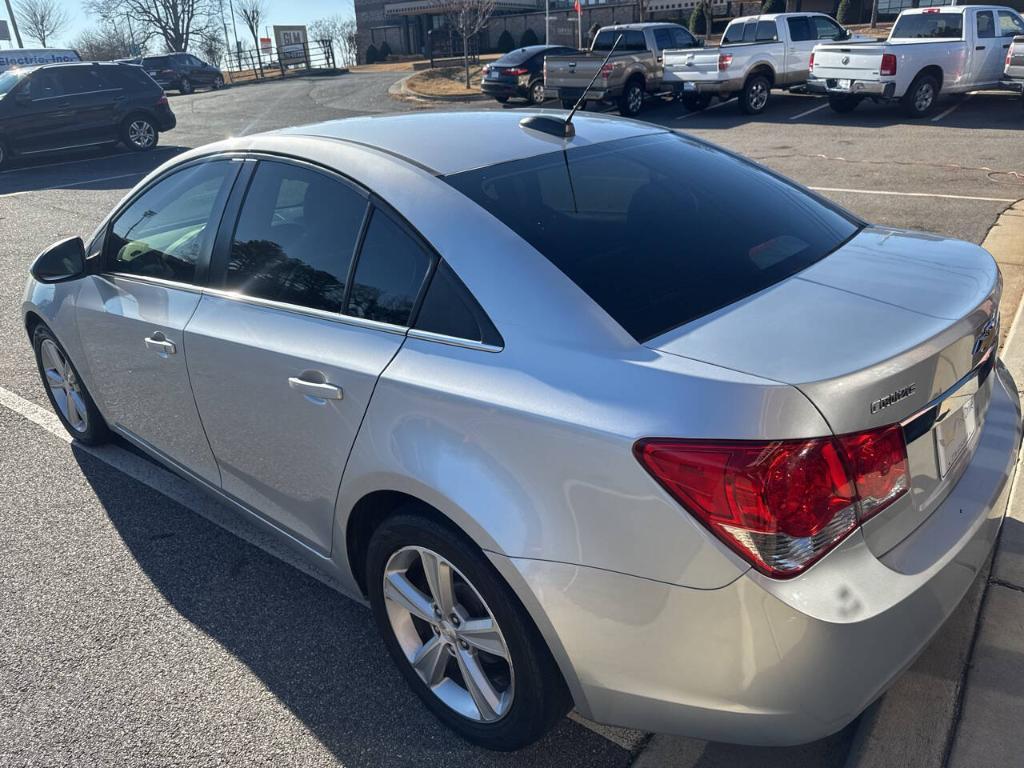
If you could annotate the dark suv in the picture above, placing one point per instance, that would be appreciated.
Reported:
(182, 72)
(65, 106)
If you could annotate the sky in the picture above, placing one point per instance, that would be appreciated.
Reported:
(280, 12)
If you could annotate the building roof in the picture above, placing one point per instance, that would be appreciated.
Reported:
(450, 142)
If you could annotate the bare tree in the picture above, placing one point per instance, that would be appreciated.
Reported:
(874, 14)
(468, 18)
(174, 21)
(42, 20)
(106, 42)
(251, 13)
(342, 34)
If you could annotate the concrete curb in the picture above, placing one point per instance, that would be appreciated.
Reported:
(914, 725)
(401, 90)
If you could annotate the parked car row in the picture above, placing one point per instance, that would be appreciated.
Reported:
(930, 51)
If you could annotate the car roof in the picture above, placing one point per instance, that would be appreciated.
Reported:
(450, 142)
(643, 25)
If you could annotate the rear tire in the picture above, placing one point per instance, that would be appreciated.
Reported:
(920, 97)
(139, 133)
(537, 94)
(186, 87)
(632, 99)
(67, 392)
(843, 103)
(755, 95)
(532, 698)
(218, 83)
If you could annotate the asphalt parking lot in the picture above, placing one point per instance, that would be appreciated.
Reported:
(139, 632)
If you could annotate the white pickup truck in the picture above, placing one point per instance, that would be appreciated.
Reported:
(757, 54)
(947, 49)
(1014, 73)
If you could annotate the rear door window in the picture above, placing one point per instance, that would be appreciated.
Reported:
(766, 32)
(389, 274)
(733, 33)
(986, 25)
(800, 29)
(647, 226)
(749, 31)
(76, 80)
(295, 237)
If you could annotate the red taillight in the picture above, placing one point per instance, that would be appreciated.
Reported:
(606, 70)
(782, 505)
(878, 460)
(724, 60)
(888, 64)
(931, 10)
(485, 70)
(810, 65)
(517, 71)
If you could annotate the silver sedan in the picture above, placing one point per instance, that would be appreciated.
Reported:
(617, 420)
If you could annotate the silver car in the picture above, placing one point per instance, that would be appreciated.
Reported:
(619, 421)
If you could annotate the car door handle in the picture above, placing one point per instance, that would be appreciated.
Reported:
(979, 47)
(159, 344)
(319, 390)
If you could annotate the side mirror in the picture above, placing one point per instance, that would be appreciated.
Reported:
(845, 34)
(701, 42)
(60, 262)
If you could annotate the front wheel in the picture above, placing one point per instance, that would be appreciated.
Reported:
(218, 83)
(756, 92)
(843, 103)
(459, 635)
(632, 99)
(68, 396)
(139, 133)
(920, 98)
(186, 86)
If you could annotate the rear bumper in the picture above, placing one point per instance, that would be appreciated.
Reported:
(773, 662)
(856, 87)
(715, 87)
(502, 89)
(165, 119)
(1012, 84)
(593, 94)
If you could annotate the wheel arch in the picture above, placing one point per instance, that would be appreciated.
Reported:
(932, 69)
(761, 68)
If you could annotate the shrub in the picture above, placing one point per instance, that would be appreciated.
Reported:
(698, 20)
(773, 6)
(845, 14)
(385, 51)
(506, 42)
(529, 38)
(371, 55)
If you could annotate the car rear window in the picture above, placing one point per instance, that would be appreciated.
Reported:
(156, 61)
(929, 25)
(659, 230)
(514, 58)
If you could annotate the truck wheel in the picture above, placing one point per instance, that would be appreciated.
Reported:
(755, 94)
(632, 99)
(843, 103)
(696, 103)
(921, 96)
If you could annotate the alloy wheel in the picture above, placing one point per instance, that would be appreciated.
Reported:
(924, 97)
(758, 96)
(448, 634)
(636, 98)
(64, 386)
(537, 93)
(141, 134)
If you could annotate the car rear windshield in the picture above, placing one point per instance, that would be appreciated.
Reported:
(514, 58)
(929, 25)
(161, 62)
(659, 230)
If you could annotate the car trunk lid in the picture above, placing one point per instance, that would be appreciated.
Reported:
(892, 328)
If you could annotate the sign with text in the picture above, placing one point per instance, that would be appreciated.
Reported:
(292, 44)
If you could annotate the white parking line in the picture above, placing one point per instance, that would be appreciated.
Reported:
(74, 184)
(706, 109)
(952, 109)
(809, 111)
(915, 194)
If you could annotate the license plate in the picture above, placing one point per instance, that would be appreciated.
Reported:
(689, 86)
(492, 75)
(844, 85)
(954, 435)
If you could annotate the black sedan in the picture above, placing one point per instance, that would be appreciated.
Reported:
(520, 73)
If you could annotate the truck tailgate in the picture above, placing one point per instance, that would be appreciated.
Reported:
(570, 71)
(857, 62)
(1015, 59)
(691, 65)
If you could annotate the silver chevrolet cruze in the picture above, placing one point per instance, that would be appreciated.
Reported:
(618, 421)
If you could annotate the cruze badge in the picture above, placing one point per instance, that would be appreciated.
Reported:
(893, 397)
(985, 334)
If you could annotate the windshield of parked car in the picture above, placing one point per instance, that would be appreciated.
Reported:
(942, 25)
(659, 230)
(10, 79)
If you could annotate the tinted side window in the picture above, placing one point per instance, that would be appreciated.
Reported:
(766, 31)
(389, 274)
(929, 25)
(633, 40)
(662, 38)
(167, 231)
(748, 31)
(986, 25)
(80, 80)
(800, 29)
(734, 33)
(449, 308)
(44, 84)
(827, 29)
(682, 39)
(1010, 24)
(295, 237)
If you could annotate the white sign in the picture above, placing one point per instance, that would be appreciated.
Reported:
(33, 57)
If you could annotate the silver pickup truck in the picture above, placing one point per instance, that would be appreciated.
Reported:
(635, 69)
(1014, 73)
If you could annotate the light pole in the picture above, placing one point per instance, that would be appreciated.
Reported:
(14, 23)
(547, 20)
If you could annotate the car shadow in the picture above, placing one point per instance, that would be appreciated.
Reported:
(316, 651)
(103, 169)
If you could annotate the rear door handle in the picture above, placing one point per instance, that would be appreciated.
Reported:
(979, 47)
(318, 390)
(159, 344)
